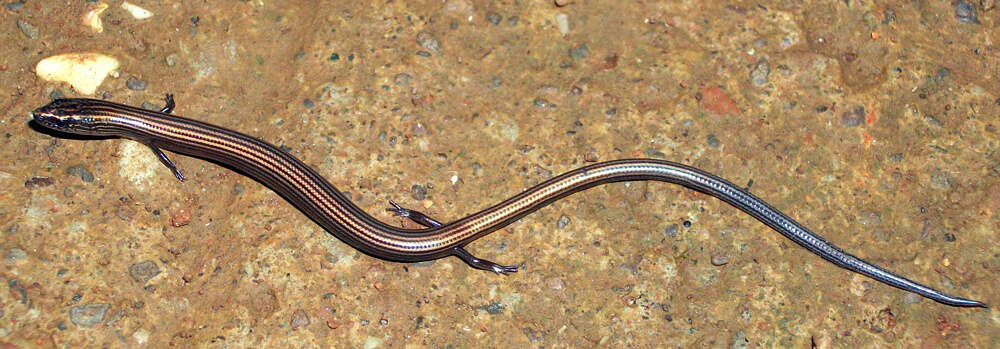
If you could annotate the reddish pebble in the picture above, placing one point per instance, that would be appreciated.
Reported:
(718, 102)
(332, 323)
(180, 218)
(299, 319)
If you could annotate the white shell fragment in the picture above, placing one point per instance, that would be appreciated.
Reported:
(84, 71)
(562, 22)
(136, 11)
(92, 18)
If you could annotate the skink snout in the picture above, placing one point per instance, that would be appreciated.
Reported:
(65, 115)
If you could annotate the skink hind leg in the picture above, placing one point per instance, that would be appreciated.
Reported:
(483, 264)
(414, 216)
(460, 252)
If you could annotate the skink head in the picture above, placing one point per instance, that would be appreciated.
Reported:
(72, 115)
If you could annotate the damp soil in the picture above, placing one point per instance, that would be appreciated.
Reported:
(873, 123)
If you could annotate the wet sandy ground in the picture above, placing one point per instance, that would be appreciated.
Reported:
(874, 123)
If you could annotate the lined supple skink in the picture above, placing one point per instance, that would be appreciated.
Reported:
(304, 188)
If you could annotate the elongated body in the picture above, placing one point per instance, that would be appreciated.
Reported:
(325, 205)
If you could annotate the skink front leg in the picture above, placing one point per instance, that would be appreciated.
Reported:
(458, 251)
(166, 162)
(167, 108)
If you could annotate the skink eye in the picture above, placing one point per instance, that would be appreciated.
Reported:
(50, 121)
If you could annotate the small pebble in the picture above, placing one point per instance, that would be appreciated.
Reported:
(656, 154)
(512, 20)
(555, 283)
(135, 84)
(143, 271)
(712, 141)
(80, 171)
(428, 41)
(419, 130)
(496, 81)
(562, 222)
(495, 308)
(88, 315)
(610, 61)
(940, 180)
(720, 259)
(930, 119)
(300, 319)
(38, 182)
(418, 192)
(15, 286)
(579, 51)
(16, 253)
(890, 16)
(671, 230)
(136, 11)
(760, 72)
(308, 103)
(965, 12)
(740, 341)
(28, 29)
(853, 117)
(332, 323)
(494, 17)
(171, 60)
(942, 74)
(180, 218)
(562, 22)
(541, 102)
(401, 79)
(15, 5)
(92, 18)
